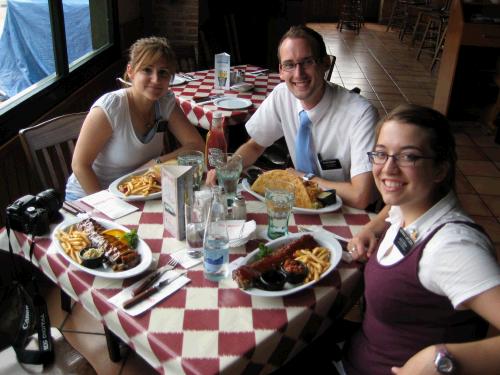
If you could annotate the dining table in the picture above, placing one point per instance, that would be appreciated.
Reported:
(209, 327)
(201, 84)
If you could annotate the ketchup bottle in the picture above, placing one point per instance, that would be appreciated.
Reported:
(216, 139)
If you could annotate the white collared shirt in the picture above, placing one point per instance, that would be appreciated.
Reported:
(457, 262)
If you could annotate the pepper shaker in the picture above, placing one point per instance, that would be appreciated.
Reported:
(239, 208)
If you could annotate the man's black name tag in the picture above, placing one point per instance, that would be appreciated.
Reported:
(329, 163)
(403, 241)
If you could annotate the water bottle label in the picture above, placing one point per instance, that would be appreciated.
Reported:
(213, 264)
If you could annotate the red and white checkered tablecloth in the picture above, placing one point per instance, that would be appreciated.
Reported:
(201, 115)
(207, 327)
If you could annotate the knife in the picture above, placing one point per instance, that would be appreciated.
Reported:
(150, 280)
(151, 290)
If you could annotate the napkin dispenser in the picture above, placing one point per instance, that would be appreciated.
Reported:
(176, 190)
(222, 67)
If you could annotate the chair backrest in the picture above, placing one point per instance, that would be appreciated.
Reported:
(328, 74)
(49, 148)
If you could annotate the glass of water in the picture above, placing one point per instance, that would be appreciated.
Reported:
(280, 197)
(196, 217)
(228, 168)
(195, 159)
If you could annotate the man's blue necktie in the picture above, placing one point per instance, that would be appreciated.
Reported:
(304, 149)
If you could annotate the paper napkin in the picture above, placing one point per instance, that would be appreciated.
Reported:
(153, 299)
(111, 206)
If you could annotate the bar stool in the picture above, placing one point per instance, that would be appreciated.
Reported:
(351, 15)
(439, 50)
(399, 13)
(424, 11)
(433, 34)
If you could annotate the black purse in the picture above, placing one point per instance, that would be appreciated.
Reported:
(24, 312)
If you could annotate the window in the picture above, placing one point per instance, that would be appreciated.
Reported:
(49, 49)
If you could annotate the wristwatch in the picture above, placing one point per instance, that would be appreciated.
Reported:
(444, 361)
(308, 176)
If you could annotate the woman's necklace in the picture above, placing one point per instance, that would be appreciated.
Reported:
(143, 119)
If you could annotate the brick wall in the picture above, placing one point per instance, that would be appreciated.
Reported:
(177, 20)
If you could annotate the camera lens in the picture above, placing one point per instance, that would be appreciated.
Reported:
(51, 200)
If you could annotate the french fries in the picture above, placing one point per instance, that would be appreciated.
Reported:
(317, 261)
(140, 185)
(72, 242)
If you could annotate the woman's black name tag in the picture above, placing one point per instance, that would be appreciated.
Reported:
(403, 242)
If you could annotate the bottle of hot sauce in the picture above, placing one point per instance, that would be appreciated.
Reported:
(216, 140)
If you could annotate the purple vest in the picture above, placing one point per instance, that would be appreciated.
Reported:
(402, 317)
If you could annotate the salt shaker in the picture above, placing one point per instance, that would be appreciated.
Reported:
(239, 208)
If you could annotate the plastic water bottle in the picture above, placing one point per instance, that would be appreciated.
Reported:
(216, 240)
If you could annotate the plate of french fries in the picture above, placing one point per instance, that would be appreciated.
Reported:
(70, 241)
(320, 262)
(137, 186)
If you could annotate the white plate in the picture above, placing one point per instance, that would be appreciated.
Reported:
(322, 238)
(142, 248)
(297, 210)
(178, 80)
(113, 188)
(232, 103)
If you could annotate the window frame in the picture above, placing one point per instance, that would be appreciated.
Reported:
(26, 107)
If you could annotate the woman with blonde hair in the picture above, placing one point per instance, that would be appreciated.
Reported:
(124, 129)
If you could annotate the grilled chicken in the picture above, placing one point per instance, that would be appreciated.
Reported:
(118, 255)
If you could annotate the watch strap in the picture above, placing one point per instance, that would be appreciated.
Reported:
(308, 176)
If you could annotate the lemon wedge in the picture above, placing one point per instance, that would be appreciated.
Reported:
(118, 233)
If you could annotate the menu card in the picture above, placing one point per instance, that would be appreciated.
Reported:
(177, 189)
(108, 204)
(222, 71)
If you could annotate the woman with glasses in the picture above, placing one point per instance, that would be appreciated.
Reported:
(125, 129)
(327, 129)
(432, 282)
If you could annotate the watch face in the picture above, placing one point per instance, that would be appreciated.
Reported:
(444, 365)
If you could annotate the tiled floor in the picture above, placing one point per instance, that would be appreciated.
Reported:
(388, 74)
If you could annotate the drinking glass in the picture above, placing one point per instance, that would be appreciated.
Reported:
(196, 217)
(280, 197)
(228, 167)
(196, 159)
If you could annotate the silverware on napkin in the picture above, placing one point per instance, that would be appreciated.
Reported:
(258, 72)
(154, 276)
(151, 290)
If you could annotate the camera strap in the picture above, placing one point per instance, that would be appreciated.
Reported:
(34, 314)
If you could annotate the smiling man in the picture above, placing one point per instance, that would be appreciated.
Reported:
(328, 129)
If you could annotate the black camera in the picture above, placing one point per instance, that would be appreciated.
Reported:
(33, 214)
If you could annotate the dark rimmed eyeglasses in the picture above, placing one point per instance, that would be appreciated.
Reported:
(402, 160)
(289, 66)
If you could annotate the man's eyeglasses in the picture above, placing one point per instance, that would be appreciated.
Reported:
(402, 160)
(289, 66)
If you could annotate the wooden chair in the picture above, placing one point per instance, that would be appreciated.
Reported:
(328, 74)
(49, 148)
